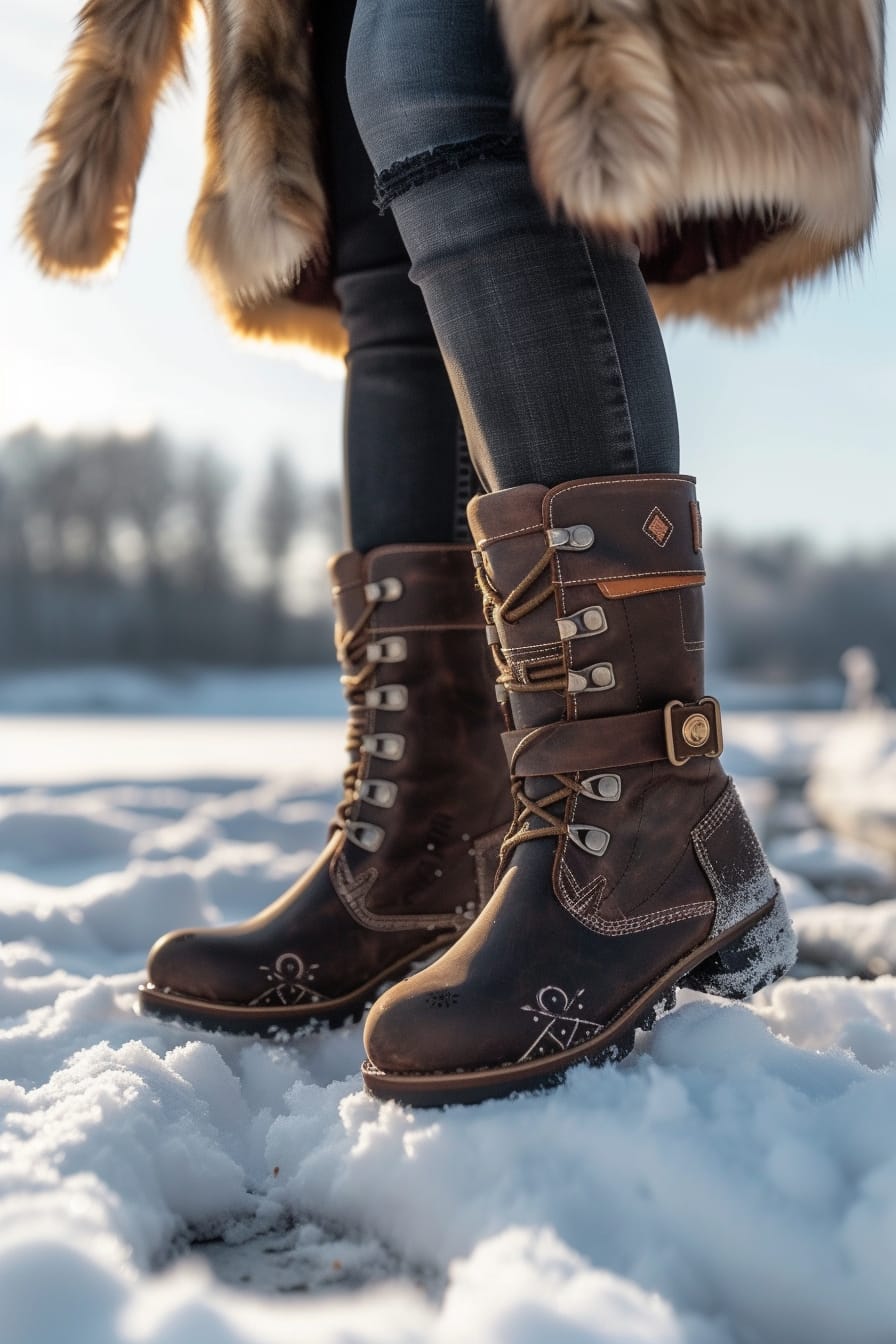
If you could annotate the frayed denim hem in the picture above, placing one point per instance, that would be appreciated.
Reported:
(402, 176)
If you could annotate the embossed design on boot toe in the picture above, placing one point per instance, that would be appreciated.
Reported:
(558, 1017)
(290, 982)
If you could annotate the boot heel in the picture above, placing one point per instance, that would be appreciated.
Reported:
(758, 958)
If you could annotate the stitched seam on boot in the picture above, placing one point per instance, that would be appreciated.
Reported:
(632, 923)
(692, 645)
(615, 928)
(546, 649)
(354, 898)
(631, 644)
(517, 532)
(725, 895)
(652, 787)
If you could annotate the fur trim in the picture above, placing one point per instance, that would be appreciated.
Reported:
(262, 212)
(284, 319)
(645, 113)
(750, 293)
(97, 130)
(755, 120)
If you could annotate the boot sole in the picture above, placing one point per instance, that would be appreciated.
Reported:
(244, 1020)
(754, 953)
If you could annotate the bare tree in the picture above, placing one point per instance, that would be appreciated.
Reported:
(279, 514)
(147, 490)
(206, 490)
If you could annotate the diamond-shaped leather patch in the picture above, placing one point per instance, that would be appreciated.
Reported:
(657, 527)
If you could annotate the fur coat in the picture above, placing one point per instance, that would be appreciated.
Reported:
(733, 140)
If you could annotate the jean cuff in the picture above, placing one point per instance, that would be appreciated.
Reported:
(402, 176)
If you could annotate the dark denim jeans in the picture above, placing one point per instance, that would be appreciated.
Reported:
(548, 336)
(407, 471)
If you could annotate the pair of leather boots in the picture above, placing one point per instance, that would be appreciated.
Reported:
(616, 863)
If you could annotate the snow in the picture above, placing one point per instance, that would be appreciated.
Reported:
(853, 785)
(857, 940)
(191, 693)
(734, 1181)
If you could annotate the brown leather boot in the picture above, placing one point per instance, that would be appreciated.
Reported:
(413, 850)
(630, 866)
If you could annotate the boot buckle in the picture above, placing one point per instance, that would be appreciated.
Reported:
(696, 729)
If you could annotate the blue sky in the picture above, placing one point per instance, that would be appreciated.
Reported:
(788, 431)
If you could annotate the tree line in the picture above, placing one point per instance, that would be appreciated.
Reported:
(137, 549)
(781, 612)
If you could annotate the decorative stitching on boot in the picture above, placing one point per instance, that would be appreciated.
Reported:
(353, 891)
(505, 536)
(556, 1007)
(288, 983)
(692, 645)
(743, 885)
(486, 856)
(614, 928)
(658, 527)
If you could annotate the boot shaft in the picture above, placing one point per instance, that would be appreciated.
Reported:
(427, 768)
(621, 627)
(595, 589)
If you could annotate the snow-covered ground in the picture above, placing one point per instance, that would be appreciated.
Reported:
(733, 1182)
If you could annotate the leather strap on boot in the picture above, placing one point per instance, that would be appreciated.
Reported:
(677, 733)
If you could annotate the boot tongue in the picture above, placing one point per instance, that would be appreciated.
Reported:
(509, 532)
(347, 584)
(499, 515)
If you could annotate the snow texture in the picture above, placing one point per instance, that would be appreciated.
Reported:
(733, 1181)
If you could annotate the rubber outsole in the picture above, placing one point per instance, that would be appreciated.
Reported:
(753, 954)
(243, 1020)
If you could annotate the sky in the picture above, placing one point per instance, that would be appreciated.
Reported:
(788, 431)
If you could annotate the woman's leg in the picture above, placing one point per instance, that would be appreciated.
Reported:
(406, 466)
(549, 337)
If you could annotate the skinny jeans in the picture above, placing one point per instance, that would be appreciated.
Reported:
(460, 293)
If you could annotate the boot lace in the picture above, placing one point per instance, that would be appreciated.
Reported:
(552, 676)
(351, 648)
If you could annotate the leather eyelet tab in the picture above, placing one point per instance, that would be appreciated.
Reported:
(592, 839)
(588, 621)
(579, 537)
(365, 835)
(384, 590)
(377, 792)
(602, 788)
(392, 698)
(393, 649)
(599, 677)
(384, 746)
